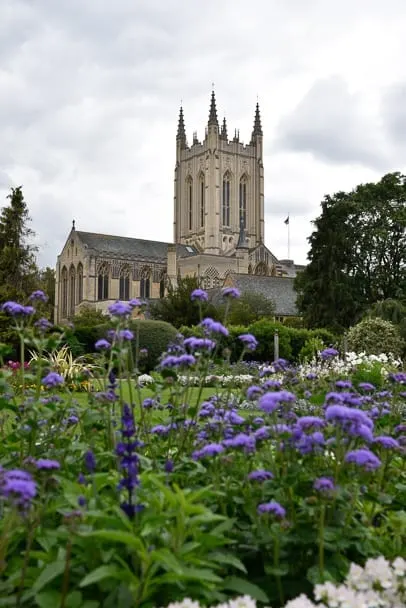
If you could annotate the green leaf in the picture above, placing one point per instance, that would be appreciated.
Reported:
(50, 572)
(118, 536)
(239, 585)
(228, 559)
(48, 599)
(101, 573)
(74, 600)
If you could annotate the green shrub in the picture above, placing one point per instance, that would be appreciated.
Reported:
(310, 349)
(264, 331)
(375, 336)
(155, 336)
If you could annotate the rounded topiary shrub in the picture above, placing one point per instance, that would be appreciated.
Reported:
(155, 337)
(375, 336)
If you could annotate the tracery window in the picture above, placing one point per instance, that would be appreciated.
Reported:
(226, 200)
(124, 283)
(72, 291)
(103, 282)
(80, 282)
(243, 202)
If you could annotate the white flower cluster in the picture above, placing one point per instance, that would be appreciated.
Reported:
(346, 366)
(145, 379)
(224, 381)
(378, 585)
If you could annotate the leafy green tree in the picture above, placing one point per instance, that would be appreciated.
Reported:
(18, 269)
(248, 308)
(177, 308)
(89, 317)
(46, 281)
(357, 254)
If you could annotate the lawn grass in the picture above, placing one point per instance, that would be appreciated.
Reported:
(165, 395)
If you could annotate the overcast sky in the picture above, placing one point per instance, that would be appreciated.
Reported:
(90, 93)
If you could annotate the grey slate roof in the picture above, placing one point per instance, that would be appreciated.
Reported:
(278, 289)
(129, 248)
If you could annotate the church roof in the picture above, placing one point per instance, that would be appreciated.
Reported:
(130, 248)
(278, 289)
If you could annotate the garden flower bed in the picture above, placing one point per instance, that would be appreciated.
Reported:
(265, 489)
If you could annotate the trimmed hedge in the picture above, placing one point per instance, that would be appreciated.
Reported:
(291, 340)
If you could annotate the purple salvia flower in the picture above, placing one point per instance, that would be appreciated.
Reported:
(90, 461)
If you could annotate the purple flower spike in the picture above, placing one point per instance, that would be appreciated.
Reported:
(200, 295)
(90, 461)
(272, 507)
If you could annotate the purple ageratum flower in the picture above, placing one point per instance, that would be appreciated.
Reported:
(253, 391)
(262, 433)
(199, 344)
(361, 431)
(135, 303)
(120, 309)
(233, 418)
(401, 428)
(344, 384)
(148, 403)
(270, 402)
(260, 475)
(346, 415)
(399, 377)
(211, 449)
(38, 296)
(311, 376)
(242, 440)
(310, 422)
(14, 309)
(18, 486)
(125, 334)
(272, 384)
(366, 386)
(160, 429)
(280, 365)
(324, 484)
(389, 443)
(214, 327)
(273, 507)
(90, 461)
(250, 342)
(231, 292)
(102, 344)
(43, 324)
(181, 361)
(52, 380)
(363, 458)
(328, 353)
(44, 464)
(200, 295)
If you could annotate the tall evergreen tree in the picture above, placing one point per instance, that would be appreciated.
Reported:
(18, 269)
(357, 254)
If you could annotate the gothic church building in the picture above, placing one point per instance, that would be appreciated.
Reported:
(218, 233)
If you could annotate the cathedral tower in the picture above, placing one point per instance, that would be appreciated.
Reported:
(219, 187)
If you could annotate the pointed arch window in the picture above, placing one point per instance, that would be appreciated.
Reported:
(80, 282)
(189, 194)
(226, 200)
(103, 282)
(72, 291)
(124, 283)
(64, 294)
(201, 200)
(145, 284)
(243, 202)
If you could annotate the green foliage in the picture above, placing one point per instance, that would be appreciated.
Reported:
(357, 254)
(264, 331)
(176, 308)
(311, 347)
(18, 270)
(248, 308)
(295, 322)
(88, 317)
(374, 336)
(155, 336)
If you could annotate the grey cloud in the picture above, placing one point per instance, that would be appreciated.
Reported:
(393, 113)
(329, 123)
